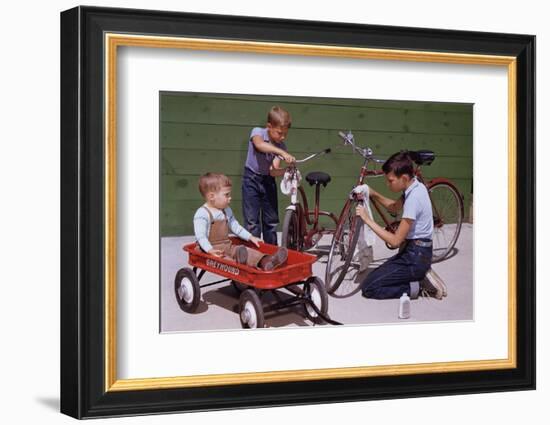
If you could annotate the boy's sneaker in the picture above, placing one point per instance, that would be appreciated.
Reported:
(436, 280)
(433, 286)
(271, 262)
(241, 254)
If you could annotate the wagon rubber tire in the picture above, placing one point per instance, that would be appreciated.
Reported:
(187, 290)
(251, 312)
(315, 288)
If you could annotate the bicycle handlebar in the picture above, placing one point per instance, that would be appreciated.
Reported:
(364, 152)
(348, 139)
(307, 158)
(344, 135)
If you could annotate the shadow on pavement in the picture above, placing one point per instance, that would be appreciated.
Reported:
(225, 297)
(452, 253)
(228, 298)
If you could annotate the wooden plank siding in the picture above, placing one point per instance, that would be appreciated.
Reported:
(209, 132)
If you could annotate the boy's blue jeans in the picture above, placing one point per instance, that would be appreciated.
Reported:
(260, 207)
(393, 278)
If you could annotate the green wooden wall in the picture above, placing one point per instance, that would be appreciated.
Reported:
(209, 132)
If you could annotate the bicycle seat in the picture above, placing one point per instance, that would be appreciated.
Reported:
(318, 177)
(422, 157)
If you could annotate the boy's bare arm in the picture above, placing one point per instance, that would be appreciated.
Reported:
(275, 170)
(392, 205)
(394, 239)
(263, 146)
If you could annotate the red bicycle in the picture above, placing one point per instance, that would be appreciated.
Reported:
(447, 209)
(301, 228)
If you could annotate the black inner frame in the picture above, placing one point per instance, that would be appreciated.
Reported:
(82, 206)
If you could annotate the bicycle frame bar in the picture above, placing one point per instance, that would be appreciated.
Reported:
(367, 173)
(316, 213)
(305, 217)
(376, 206)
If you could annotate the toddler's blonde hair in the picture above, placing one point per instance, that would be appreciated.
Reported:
(213, 182)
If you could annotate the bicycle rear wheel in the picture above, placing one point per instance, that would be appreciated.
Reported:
(448, 214)
(342, 248)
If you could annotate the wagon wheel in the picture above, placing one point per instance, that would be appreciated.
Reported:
(251, 310)
(187, 290)
(315, 291)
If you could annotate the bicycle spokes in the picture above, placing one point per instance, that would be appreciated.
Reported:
(342, 248)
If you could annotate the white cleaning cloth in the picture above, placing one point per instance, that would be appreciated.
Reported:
(367, 234)
(364, 250)
(286, 182)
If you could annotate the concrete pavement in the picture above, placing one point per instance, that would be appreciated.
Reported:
(219, 303)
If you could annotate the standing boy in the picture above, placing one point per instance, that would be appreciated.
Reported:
(259, 189)
(403, 272)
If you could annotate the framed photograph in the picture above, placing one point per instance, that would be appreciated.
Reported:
(209, 132)
(236, 191)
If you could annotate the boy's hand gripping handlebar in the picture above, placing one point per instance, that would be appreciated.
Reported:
(289, 183)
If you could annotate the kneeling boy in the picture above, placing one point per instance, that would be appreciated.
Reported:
(403, 272)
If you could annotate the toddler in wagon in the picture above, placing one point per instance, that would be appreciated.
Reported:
(213, 221)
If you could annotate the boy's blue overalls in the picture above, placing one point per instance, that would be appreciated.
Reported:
(401, 273)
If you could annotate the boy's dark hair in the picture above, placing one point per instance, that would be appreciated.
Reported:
(400, 163)
(279, 117)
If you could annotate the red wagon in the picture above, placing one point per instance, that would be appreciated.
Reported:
(295, 277)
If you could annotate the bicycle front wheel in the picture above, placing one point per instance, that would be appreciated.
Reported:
(342, 247)
(448, 214)
(291, 237)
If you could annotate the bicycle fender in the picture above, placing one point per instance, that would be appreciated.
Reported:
(291, 207)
